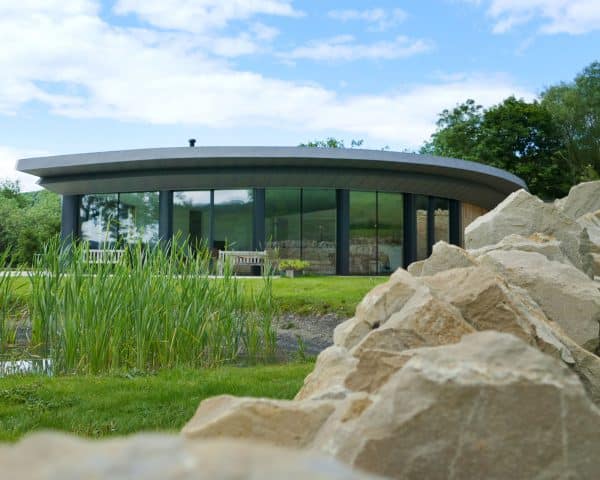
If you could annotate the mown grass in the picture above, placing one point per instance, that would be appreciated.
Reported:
(101, 406)
(321, 295)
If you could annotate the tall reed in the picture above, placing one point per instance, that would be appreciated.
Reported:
(153, 308)
(7, 324)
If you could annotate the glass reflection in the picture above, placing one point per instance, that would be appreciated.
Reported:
(363, 233)
(138, 217)
(233, 210)
(282, 221)
(319, 229)
(422, 207)
(441, 220)
(390, 208)
(99, 220)
(191, 217)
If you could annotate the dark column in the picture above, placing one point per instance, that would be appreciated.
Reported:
(69, 225)
(211, 229)
(343, 232)
(410, 229)
(455, 222)
(258, 234)
(165, 216)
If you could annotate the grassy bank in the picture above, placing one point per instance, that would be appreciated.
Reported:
(304, 295)
(100, 406)
(310, 295)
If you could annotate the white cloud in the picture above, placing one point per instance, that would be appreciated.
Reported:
(202, 15)
(78, 65)
(345, 48)
(379, 18)
(558, 16)
(8, 161)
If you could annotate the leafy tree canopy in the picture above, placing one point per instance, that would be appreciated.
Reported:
(552, 143)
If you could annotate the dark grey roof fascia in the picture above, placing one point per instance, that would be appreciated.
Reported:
(153, 167)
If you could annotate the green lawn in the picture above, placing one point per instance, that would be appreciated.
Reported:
(117, 405)
(322, 294)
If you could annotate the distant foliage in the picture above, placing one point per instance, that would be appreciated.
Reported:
(552, 143)
(27, 221)
(332, 143)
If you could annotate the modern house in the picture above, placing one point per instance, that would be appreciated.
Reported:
(346, 211)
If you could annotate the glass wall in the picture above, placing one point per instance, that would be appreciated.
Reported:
(99, 220)
(319, 221)
(191, 217)
(390, 228)
(109, 219)
(441, 219)
(376, 232)
(283, 221)
(363, 233)
(422, 207)
(138, 217)
(233, 223)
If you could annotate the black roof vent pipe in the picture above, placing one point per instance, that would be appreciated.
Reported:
(192, 142)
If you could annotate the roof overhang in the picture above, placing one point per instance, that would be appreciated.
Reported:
(259, 167)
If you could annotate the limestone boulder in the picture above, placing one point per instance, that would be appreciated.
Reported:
(583, 198)
(566, 295)
(524, 214)
(327, 380)
(591, 222)
(488, 407)
(279, 422)
(537, 242)
(376, 307)
(444, 257)
(416, 268)
(45, 456)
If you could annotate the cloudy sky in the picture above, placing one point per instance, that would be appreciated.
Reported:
(92, 75)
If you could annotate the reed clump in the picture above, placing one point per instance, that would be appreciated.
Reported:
(152, 308)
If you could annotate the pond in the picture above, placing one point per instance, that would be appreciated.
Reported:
(36, 365)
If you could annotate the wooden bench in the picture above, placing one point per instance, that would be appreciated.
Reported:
(102, 256)
(244, 259)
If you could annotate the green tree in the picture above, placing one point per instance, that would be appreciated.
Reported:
(524, 139)
(458, 132)
(27, 221)
(575, 107)
(515, 135)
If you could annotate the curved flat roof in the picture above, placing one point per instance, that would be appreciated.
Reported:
(188, 168)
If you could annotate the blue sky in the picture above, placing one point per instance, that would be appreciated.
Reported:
(92, 75)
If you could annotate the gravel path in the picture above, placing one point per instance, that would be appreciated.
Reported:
(310, 333)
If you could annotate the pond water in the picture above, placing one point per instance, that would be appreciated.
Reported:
(37, 365)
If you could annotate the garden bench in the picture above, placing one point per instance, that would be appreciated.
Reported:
(102, 256)
(245, 259)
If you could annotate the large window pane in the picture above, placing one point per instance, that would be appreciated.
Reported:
(422, 205)
(191, 217)
(282, 221)
(390, 231)
(441, 220)
(319, 229)
(99, 218)
(138, 215)
(363, 233)
(233, 219)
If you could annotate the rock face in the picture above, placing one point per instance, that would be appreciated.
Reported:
(583, 198)
(162, 457)
(489, 407)
(524, 214)
(565, 294)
